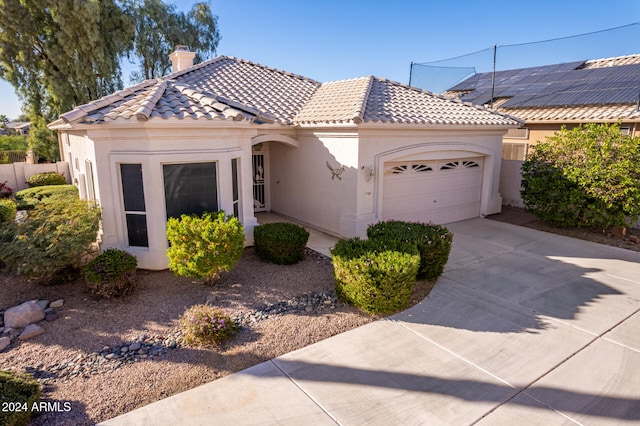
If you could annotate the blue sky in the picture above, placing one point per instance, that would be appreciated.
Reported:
(332, 40)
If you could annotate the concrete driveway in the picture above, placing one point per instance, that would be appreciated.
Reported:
(523, 328)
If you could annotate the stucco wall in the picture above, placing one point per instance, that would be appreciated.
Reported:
(153, 146)
(380, 145)
(16, 174)
(510, 181)
(302, 186)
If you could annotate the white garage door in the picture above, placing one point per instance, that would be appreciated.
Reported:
(442, 191)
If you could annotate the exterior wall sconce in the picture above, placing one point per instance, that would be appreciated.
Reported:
(369, 173)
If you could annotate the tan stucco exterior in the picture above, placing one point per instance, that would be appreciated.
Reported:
(299, 182)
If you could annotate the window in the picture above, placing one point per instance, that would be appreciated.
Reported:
(190, 188)
(235, 187)
(91, 188)
(521, 133)
(134, 206)
(514, 151)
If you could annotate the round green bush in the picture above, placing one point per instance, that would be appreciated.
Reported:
(111, 274)
(8, 210)
(204, 246)
(47, 178)
(433, 243)
(205, 324)
(375, 276)
(280, 242)
(18, 389)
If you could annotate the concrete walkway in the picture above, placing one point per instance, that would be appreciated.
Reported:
(523, 328)
(318, 240)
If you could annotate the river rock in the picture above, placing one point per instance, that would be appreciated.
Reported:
(23, 315)
(4, 342)
(56, 303)
(30, 331)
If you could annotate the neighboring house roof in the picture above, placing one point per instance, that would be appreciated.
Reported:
(604, 89)
(231, 88)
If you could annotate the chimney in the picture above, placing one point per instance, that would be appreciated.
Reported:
(181, 59)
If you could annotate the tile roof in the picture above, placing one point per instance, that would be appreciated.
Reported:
(227, 88)
(578, 113)
(372, 99)
(602, 89)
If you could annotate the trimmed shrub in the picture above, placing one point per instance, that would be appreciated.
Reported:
(204, 246)
(47, 178)
(28, 198)
(21, 390)
(375, 276)
(433, 243)
(111, 274)
(281, 243)
(205, 324)
(8, 210)
(584, 177)
(52, 239)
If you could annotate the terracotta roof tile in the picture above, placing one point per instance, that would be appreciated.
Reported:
(337, 102)
(578, 113)
(230, 88)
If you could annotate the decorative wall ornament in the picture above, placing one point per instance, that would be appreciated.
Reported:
(335, 173)
(257, 147)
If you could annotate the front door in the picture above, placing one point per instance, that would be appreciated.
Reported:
(260, 193)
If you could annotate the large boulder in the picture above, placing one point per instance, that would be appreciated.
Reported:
(22, 315)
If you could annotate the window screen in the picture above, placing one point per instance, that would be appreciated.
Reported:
(190, 188)
(134, 207)
(235, 187)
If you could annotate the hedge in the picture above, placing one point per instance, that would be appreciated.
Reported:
(375, 276)
(280, 242)
(433, 243)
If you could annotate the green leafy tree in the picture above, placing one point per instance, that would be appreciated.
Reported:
(159, 28)
(587, 176)
(62, 53)
(59, 54)
(13, 143)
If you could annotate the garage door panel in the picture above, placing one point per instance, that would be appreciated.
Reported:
(436, 191)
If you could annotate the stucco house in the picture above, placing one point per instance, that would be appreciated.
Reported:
(550, 96)
(235, 135)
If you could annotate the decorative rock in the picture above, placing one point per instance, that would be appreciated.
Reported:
(51, 317)
(44, 304)
(23, 315)
(4, 342)
(134, 346)
(56, 303)
(634, 239)
(618, 231)
(30, 331)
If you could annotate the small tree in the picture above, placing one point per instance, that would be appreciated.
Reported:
(204, 246)
(587, 176)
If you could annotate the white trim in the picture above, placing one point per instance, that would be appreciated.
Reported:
(287, 140)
